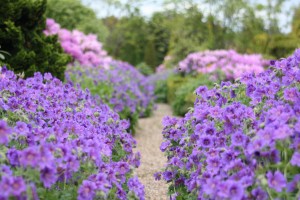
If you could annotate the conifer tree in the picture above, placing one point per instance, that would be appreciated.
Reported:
(21, 34)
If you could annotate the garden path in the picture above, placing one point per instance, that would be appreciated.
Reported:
(149, 138)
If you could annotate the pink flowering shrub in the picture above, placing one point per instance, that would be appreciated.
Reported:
(231, 63)
(240, 141)
(56, 142)
(84, 49)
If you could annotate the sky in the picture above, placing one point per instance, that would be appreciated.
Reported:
(148, 7)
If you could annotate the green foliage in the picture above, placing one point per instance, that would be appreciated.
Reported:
(161, 91)
(144, 69)
(173, 83)
(3, 54)
(185, 96)
(150, 54)
(127, 39)
(21, 34)
(71, 14)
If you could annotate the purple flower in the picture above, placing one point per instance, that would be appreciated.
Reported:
(168, 175)
(18, 186)
(259, 193)
(213, 164)
(291, 94)
(13, 156)
(276, 181)
(6, 186)
(4, 132)
(4, 169)
(292, 186)
(206, 142)
(86, 190)
(21, 128)
(123, 167)
(157, 176)
(238, 139)
(202, 90)
(135, 186)
(164, 145)
(48, 177)
(235, 190)
(29, 157)
(282, 132)
(295, 159)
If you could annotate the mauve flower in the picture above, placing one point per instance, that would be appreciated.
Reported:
(276, 181)
(164, 145)
(135, 186)
(123, 167)
(259, 193)
(5, 186)
(238, 139)
(157, 176)
(168, 175)
(5, 170)
(29, 157)
(292, 185)
(205, 142)
(21, 128)
(13, 156)
(291, 94)
(18, 186)
(86, 190)
(48, 177)
(235, 190)
(295, 159)
(5, 131)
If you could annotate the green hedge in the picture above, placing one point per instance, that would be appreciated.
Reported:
(180, 91)
(185, 96)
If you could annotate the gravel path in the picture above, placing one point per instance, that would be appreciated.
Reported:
(149, 138)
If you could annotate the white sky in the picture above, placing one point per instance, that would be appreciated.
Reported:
(148, 7)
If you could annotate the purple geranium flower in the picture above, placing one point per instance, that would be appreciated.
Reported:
(4, 132)
(86, 190)
(295, 159)
(276, 181)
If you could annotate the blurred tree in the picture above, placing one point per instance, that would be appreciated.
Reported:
(185, 26)
(159, 32)
(21, 34)
(71, 14)
(150, 54)
(128, 39)
(296, 23)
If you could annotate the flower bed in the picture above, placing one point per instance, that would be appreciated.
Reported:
(229, 62)
(56, 142)
(122, 87)
(240, 141)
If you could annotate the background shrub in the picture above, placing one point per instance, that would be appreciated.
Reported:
(144, 69)
(173, 83)
(185, 95)
(21, 34)
(71, 14)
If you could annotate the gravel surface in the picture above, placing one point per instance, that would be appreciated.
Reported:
(149, 138)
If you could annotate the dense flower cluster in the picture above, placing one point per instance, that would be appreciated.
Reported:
(85, 49)
(231, 63)
(122, 87)
(241, 140)
(57, 142)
